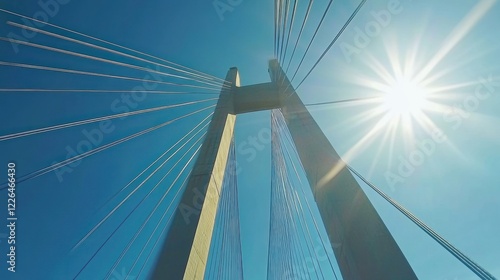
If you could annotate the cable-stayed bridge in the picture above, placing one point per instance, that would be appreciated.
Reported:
(177, 215)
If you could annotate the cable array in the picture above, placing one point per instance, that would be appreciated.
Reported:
(473, 266)
(145, 206)
(172, 75)
(225, 259)
(281, 42)
(129, 224)
(297, 248)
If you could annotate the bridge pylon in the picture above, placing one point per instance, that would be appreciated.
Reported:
(363, 246)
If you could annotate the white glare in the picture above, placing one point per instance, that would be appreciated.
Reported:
(404, 98)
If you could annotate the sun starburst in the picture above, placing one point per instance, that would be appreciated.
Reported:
(404, 98)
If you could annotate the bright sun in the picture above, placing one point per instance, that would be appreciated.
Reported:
(404, 98)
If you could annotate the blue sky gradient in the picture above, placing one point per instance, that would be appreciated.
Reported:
(454, 190)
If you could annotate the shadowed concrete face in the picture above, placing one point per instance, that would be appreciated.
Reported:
(364, 247)
(185, 250)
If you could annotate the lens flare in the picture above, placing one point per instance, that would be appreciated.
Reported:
(404, 98)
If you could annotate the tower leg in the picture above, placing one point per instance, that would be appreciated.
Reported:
(185, 250)
(363, 246)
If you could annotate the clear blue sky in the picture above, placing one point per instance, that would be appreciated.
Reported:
(455, 190)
